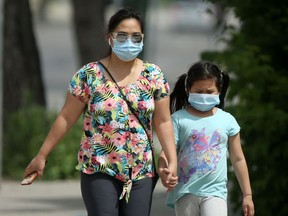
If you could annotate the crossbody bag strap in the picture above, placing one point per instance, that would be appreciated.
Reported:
(128, 102)
(135, 114)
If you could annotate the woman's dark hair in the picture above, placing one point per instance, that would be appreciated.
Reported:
(125, 13)
(119, 16)
(202, 70)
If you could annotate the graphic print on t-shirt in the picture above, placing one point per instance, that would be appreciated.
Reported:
(199, 154)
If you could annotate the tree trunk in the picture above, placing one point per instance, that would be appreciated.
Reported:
(140, 6)
(22, 80)
(89, 25)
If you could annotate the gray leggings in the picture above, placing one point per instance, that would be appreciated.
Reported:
(192, 205)
(101, 194)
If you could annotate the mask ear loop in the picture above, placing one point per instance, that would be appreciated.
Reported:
(109, 42)
(185, 84)
(110, 37)
(221, 79)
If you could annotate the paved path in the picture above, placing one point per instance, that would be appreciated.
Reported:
(55, 198)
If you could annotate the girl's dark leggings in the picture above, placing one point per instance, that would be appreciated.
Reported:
(101, 194)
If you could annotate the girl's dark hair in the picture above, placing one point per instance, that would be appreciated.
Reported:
(125, 13)
(199, 71)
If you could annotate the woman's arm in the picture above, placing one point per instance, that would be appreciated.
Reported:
(164, 129)
(239, 164)
(67, 117)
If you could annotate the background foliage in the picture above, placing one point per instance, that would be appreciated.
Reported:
(24, 134)
(256, 59)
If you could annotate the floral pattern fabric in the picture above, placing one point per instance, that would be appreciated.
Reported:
(113, 140)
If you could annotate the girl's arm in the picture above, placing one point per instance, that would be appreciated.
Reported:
(67, 117)
(239, 164)
(164, 129)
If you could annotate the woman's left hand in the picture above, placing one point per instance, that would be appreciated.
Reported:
(168, 183)
(173, 169)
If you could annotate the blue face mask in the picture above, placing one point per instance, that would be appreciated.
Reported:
(127, 50)
(203, 102)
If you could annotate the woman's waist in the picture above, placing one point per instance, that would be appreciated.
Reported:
(123, 174)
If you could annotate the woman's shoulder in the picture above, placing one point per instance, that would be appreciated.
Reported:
(151, 67)
(90, 66)
(153, 72)
(90, 71)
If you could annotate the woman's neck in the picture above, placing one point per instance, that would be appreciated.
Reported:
(123, 72)
(122, 68)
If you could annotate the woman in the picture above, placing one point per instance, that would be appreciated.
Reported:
(115, 155)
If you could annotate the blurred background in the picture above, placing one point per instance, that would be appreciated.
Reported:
(176, 32)
(44, 42)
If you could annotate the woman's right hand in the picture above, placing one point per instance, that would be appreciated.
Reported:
(36, 164)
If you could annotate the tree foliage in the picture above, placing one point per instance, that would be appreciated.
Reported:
(22, 78)
(255, 57)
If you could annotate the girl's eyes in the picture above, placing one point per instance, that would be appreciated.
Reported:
(204, 92)
(212, 92)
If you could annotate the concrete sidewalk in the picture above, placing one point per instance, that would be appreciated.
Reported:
(55, 198)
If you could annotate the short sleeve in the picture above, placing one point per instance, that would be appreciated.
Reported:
(162, 88)
(78, 86)
(234, 127)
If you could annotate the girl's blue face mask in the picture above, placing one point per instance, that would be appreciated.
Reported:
(127, 50)
(203, 102)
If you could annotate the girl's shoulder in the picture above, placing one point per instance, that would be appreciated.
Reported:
(219, 114)
(224, 113)
(179, 113)
(228, 121)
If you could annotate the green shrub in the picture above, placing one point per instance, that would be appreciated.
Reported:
(24, 133)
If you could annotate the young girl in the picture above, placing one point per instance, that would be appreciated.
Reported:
(203, 134)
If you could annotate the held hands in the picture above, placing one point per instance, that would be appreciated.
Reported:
(248, 205)
(172, 168)
(167, 171)
(168, 180)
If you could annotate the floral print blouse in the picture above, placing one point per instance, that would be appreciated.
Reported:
(113, 140)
